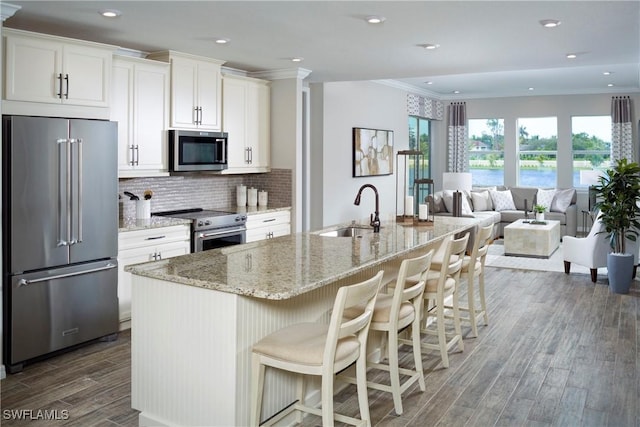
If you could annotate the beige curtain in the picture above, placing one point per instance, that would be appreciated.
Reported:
(621, 128)
(457, 139)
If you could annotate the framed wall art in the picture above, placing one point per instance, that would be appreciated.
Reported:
(372, 152)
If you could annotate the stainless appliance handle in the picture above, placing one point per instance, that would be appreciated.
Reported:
(221, 232)
(68, 202)
(80, 190)
(61, 201)
(25, 282)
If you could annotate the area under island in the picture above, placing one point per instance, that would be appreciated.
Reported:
(196, 317)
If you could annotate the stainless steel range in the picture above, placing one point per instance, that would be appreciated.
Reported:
(211, 229)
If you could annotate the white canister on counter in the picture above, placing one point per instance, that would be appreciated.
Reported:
(241, 195)
(143, 209)
(252, 197)
(263, 198)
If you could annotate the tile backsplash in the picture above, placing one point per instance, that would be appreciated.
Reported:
(203, 190)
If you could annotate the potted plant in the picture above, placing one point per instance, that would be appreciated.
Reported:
(618, 193)
(539, 210)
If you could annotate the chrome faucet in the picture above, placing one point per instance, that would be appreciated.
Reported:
(375, 218)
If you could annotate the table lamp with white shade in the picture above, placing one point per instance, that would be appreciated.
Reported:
(457, 181)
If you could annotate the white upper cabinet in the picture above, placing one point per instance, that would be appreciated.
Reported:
(140, 105)
(246, 117)
(195, 90)
(55, 71)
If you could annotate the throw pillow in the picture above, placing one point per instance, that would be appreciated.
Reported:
(545, 198)
(562, 200)
(481, 201)
(502, 200)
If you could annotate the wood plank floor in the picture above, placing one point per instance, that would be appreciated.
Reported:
(558, 351)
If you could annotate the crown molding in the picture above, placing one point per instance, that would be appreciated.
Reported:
(409, 88)
(286, 73)
(8, 10)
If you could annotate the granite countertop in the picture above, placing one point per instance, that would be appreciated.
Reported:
(132, 224)
(287, 266)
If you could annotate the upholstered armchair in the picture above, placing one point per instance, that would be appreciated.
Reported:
(590, 251)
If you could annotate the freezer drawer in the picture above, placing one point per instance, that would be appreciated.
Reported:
(55, 309)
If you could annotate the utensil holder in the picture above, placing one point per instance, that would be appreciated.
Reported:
(143, 209)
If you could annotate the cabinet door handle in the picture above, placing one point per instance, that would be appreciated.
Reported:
(250, 155)
(66, 77)
(200, 121)
(60, 86)
(132, 162)
(137, 152)
(195, 115)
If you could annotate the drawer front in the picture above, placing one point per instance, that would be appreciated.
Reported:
(268, 219)
(268, 232)
(153, 237)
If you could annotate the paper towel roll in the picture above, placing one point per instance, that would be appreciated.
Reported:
(408, 206)
(241, 195)
(252, 197)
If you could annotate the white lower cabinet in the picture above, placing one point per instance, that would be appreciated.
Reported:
(143, 246)
(268, 225)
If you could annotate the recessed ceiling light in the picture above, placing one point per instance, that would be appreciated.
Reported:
(571, 56)
(110, 13)
(374, 19)
(297, 59)
(610, 85)
(456, 91)
(606, 73)
(549, 23)
(222, 40)
(430, 46)
(530, 88)
(429, 83)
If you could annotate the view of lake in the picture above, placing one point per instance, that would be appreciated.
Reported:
(541, 178)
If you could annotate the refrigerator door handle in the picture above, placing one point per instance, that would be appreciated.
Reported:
(79, 178)
(25, 282)
(64, 218)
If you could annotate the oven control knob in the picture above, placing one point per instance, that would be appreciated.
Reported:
(200, 224)
(240, 218)
(207, 222)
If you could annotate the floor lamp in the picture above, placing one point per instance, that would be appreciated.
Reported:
(456, 181)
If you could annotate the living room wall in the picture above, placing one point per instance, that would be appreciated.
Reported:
(338, 107)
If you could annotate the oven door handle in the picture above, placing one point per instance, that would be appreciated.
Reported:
(221, 233)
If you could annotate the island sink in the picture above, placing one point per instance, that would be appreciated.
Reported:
(351, 231)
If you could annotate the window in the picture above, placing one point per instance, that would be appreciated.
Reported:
(420, 139)
(486, 151)
(538, 152)
(591, 144)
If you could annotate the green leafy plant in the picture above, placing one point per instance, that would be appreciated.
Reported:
(539, 208)
(617, 195)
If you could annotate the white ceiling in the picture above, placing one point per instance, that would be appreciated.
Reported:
(487, 48)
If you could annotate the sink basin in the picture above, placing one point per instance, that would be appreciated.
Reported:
(347, 232)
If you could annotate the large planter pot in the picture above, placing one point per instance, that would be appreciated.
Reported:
(620, 272)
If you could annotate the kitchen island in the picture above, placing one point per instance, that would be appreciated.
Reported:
(195, 317)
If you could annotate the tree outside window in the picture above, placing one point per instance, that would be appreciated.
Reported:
(486, 151)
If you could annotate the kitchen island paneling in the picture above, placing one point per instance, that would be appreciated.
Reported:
(195, 317)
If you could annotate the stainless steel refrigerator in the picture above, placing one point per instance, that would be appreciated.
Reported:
(60, 241)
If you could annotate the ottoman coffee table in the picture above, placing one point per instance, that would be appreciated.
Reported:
(530, 239)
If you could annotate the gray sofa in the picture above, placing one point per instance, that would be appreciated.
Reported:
(563, 207)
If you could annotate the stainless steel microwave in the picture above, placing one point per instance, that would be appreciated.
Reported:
(197, 151)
